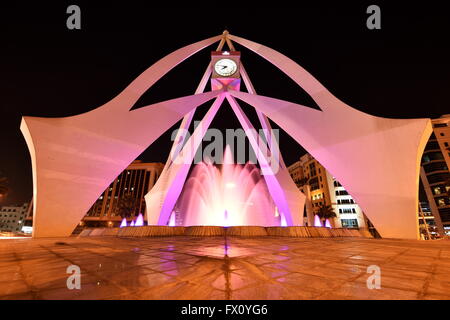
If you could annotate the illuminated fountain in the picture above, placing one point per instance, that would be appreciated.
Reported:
(317, 222)
(232, 195)
(139, 221)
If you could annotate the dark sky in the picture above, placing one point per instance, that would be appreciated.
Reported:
(400, 71)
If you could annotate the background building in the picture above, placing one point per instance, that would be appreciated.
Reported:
(127, 190)
(427, 223)
(12, 218)
(435, 175)
(322, 189)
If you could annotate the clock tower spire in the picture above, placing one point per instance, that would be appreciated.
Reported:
(225, 66)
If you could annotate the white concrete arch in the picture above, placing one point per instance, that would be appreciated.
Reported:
(376, 159)
(75, 158)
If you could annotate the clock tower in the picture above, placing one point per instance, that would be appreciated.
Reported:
(225, 70)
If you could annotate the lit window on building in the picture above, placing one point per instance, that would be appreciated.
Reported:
(349, 223)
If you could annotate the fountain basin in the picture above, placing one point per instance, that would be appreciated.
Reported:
(296, 232)
(247, 231)
(217, 231)
(205, 231)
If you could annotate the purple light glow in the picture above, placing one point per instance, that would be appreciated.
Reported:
(317, 222)
(123, 223)
(139, 221)
(327, 224)
(225, 219)
(172, 221)
(229, 195)
(283, 222)
(132, 223)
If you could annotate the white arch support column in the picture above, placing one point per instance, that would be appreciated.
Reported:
(294, 197)
(162, 198)
(74, 159)
(289, 200)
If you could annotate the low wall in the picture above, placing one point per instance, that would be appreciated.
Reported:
(215, 231)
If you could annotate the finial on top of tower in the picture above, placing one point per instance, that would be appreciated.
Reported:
(225, 32)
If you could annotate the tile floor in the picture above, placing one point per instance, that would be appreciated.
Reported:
(206, 268)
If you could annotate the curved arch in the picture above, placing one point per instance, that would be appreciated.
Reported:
(318, 92)
(75, 158)
(128, 96)
(392, 166)
(377, 160)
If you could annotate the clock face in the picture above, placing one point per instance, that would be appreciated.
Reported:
(225, 67)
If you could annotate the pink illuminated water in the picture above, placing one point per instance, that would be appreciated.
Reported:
(172, 221)
(139, 221)
(123, 223)
(327, 224)
(232, 195)
(132, 224)
(317, 222)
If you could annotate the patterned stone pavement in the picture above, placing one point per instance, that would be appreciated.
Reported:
(215, 268)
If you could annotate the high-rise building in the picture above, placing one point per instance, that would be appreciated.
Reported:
(127, 190)
(322, 189)
(427, 223)
(12, 218)
(435, 175)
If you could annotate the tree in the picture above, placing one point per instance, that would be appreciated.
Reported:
(125, 205)
(325, 212)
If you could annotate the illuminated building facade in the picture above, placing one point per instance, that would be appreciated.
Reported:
(322, 189)
(136, 180)
(12, 218)
(435, 173)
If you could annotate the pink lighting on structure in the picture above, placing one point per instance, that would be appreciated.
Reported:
(123, 223)
(139, 221)
(228, 195)
(132, 223)
(327, 224)
(283, 220)
(172, 221)
(204, 197)
(225, 219)
(317, 222)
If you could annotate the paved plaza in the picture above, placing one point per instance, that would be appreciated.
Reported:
(218, 268)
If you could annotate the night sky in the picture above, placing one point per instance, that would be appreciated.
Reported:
(400, 71)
